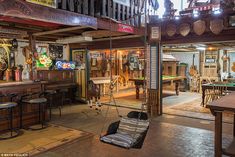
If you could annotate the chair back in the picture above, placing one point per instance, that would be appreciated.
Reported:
(136, 114)
(93, 90)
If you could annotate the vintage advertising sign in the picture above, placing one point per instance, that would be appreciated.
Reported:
(48, 3)
(125, 28)
(123, 2)
(64, 65)
(155, 33)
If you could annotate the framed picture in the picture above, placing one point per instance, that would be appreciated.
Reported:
(93, 61)
(78, 57)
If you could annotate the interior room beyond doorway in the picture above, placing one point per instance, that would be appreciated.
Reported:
(207, 68)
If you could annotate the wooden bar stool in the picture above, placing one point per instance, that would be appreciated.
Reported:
(41, 102)
(50, 94)
(63, 93)
(14, 132)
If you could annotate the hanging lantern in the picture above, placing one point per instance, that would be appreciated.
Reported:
(14, 43)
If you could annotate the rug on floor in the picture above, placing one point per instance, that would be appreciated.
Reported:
(195, 110)
(193, 106)
(34, 142)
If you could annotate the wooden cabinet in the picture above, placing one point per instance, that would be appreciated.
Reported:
(170, 68)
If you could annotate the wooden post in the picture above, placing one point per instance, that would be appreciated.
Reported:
(154, 83)
(234, 124)
(32, 45)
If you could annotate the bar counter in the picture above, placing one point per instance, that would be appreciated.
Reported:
(30, 112)
(19, 88)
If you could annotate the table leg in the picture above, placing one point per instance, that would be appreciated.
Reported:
(177, 88)
(203, 97)
(234, 124)
(137, 91)
(104, 89)
(218, 134)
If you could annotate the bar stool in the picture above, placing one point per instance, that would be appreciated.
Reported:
(63, 92)
(50, 94)
(9, 106)
(41, 102)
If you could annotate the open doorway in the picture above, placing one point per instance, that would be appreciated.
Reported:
(126, 65)
(203, 66)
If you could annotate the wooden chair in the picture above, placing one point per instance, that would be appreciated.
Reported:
(195, 84)
(217, 91)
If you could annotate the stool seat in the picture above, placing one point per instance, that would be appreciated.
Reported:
(7, 105)
(12, 132)
(36, 100)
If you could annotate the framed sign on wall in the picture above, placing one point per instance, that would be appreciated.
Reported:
(47, 3)
(155, 33)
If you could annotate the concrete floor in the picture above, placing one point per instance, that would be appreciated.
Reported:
(168, 136)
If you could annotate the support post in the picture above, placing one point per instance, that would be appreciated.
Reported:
(32, 45)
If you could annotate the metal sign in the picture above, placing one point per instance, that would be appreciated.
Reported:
(123, 2)
(48, 3)
(63, 65)
(125, 28)
(155, 33)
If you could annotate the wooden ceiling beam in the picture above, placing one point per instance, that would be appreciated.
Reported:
(59, 30)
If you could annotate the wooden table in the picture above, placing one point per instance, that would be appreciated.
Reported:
(229, 86)
(166, 80)
(226, 103)
(103, 81)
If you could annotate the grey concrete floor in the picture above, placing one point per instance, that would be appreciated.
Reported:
(168, 136)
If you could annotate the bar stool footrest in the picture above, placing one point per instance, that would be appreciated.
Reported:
(37, 127)
(10, 134)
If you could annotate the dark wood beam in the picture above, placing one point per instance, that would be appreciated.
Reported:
(25, 10)
(59, 30)
(116, 44)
